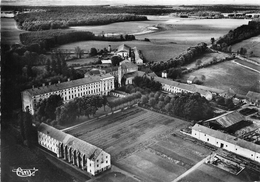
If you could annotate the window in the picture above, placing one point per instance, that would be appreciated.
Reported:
(97, 165)
(106, 161)
(207, 139)
(97, 160)
(89, 164)
(226, 145)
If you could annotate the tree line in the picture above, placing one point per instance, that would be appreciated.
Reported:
(130, 99)
(44, 40)
(191, 106)
(185, 58)
(52, 19)
(237, 35)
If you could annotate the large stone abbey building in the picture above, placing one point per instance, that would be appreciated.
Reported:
(90, 85)
(84, 155)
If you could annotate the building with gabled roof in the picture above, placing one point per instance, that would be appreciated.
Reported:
(80, 153)
(228, 142)
(253, 98)
(228, 119)
(123, 51)
(100, 84)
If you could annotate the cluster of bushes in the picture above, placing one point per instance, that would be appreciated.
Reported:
(52, 110)
(131, 98)
(185, 58)
(191, 106)
(58, 19)
(145, 82)
(237, 35)
(227, 103)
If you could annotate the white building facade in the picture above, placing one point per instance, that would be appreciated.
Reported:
(73, 150)
(233, 144)
(90, 85)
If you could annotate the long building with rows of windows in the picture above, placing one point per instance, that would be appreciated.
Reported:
(80, 153)
(89, 85)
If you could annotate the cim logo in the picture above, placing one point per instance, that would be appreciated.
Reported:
(24, 172)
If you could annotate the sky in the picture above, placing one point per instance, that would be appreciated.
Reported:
(130, 2)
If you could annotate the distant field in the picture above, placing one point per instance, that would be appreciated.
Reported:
(151, 51)
(228, 75)
(9, 32)
(207, 172)
(252, 44)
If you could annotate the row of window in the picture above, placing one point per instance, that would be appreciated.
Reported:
(108, 85)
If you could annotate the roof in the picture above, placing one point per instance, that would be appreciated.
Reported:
(123, 47)
(66, 85)
(130, 75)
(84, 147)
(228, 119)
(127, 65)
(189, 88)
(192, 78)
(223, 136)
(215, 90)
(253, 95)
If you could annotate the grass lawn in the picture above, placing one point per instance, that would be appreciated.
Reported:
(206, 58)
(228, 75)
(252, 44)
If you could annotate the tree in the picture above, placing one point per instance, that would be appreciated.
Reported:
(203, 77)
(47, 107)
(28, 133)
(212, 40)
(78, 52)
(152, 102)
(144, 99)
(168, 107)
(160, 105)
(167, 99)
(116, 60)
(93, 51)
(198, 62)
(161, 98)
(251, 54)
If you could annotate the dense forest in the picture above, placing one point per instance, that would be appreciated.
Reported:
(50, 38)
(37, 21)
(237, 35)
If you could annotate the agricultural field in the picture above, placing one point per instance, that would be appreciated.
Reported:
(252, 44)
(229, 75)
(207, 172)
(248, 64)
(141, 143)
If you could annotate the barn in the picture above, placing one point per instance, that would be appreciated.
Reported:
(228, 142)
(82, 154)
